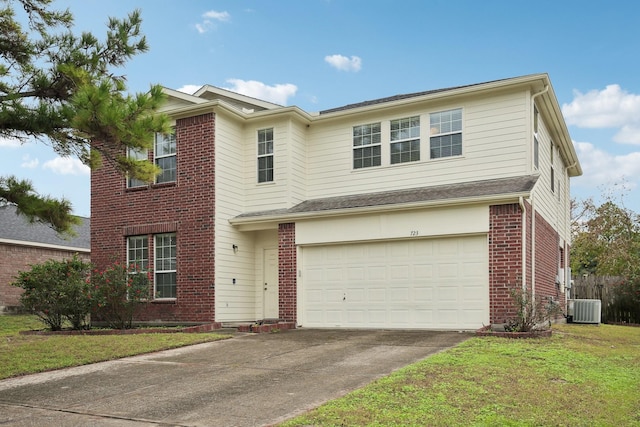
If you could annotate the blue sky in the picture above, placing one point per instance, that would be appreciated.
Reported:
(320, 54)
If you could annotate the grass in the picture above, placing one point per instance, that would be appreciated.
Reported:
(27, 354)
(584, 375)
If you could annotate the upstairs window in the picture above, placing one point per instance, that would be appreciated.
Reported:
(165, 266)
(136, 154)
(165, 156)
(446, 133)
(265, 155)
(405, 140)
(367, 143)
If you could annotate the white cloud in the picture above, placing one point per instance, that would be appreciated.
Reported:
(218, 16)
(9, 142)
(611, 107)
(208, 23)
(344, 63)
(29, 163)
(604, 169)
(66, 166)
(190, 89)
(278, 94)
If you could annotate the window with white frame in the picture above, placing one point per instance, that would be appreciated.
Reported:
(138, 253)
(265, 155)
(445, 133)
(367, 144)
(405, 140)
(165, 266)
(136, 154)
(165, 156)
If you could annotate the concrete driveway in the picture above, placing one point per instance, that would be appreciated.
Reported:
(250, 380)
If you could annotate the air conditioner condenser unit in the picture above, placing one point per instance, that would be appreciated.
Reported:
(585, 311)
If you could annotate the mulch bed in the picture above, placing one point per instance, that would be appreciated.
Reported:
(488, 332)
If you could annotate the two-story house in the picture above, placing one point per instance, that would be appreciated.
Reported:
(415, 211)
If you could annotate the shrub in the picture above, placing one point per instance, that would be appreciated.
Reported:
(532, 313)
(56, 291)
(118, 292)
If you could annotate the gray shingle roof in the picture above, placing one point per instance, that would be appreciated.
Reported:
(474, 189)
(17, 227)
(398, 97)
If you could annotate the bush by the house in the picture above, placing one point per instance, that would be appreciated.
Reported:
(118, 292)
(533, 313)
(56, 292)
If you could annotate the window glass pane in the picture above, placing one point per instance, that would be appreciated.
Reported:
(265, 155)
(406, 151)
(405, 128)
(446, 131)
(168, 166)
(138, 252)
(165, 144)
(165, 156)
(366, 139)
(165, 266)
(137, 154)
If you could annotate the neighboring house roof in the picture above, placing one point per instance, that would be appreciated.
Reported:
(469, 191)
(16, 229)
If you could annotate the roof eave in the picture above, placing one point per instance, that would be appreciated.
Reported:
(272, 221)
(44, 245)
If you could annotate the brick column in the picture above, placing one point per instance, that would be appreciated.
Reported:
(505, 259)
(287, 266)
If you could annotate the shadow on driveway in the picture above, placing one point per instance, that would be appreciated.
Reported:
(250, 380)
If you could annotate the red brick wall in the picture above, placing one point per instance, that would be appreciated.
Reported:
(185, 207)
(287, 267)
(505, 259)
(547, 260)
(16, 258)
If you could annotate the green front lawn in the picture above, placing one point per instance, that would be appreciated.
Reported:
(27, 354)
(585, 375)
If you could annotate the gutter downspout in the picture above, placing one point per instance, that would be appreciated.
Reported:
(533, 213)
(524, 243)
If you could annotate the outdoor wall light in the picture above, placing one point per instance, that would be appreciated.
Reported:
(235, 249)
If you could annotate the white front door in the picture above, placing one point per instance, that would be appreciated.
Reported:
(270, 284)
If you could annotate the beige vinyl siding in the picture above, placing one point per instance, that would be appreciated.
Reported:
(494, 146)
(234, 302)
(266, 195)
(552, 205)
(297, 169)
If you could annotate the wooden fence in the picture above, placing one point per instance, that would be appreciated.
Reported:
(614, 308)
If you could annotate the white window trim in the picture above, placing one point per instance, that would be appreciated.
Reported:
(156, 271)
(265, 155)
(136, 154)
(371, 145)
(164, 156)
(439, 133)
(408, 139)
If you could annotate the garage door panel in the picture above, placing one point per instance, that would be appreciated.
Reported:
(377, 295)
(429, 283)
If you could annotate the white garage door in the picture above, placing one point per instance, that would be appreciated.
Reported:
(424, 284)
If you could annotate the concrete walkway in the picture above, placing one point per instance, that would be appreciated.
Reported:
(249, 380)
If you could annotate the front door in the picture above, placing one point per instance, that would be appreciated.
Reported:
(270, 284)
